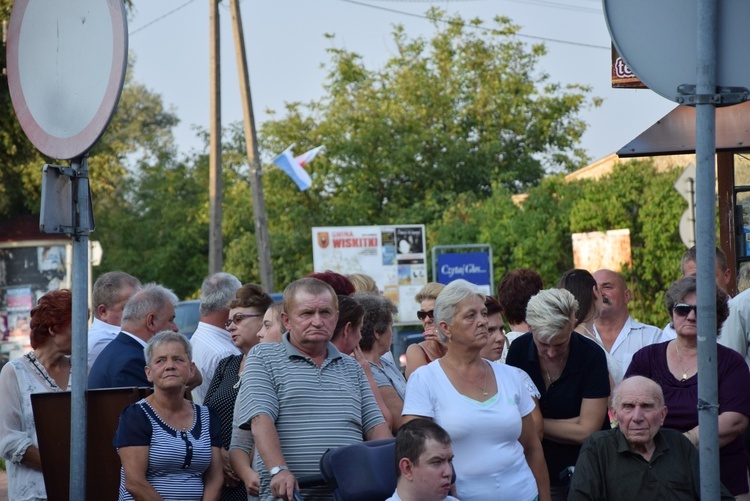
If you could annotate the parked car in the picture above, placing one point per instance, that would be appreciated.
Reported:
(187, 314)
(403, 336)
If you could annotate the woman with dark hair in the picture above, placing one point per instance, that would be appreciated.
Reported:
(342, 285)
(377, 335)
(674, 365)
(346, 337)
(246, 315)
(272, 329)
(348, 329)
(582, 285)
(44, 369)
(513, 293)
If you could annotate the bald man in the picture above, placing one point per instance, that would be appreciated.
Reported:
(638, 459)
(620, 334)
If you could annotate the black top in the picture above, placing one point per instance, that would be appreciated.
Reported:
(608, 470)
(585, 375)
(221, 395)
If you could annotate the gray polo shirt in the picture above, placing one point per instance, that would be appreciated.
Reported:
(314, 408)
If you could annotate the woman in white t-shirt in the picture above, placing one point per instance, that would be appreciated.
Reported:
(484, 407)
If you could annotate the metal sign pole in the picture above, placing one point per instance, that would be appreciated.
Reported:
(705, 150)
(78, 413)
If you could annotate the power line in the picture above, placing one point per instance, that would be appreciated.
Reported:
(481, 28)
(160, 18)
(543, 3)
(422, 16)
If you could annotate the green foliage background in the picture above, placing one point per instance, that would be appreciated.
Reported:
(445, 134)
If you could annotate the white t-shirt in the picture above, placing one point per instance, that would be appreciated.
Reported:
(489, 460)
(396, 497)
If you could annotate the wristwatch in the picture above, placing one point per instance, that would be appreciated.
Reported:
(276, 469)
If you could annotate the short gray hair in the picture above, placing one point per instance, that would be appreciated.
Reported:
(165, 337)
(549, 312)
(108, 289)
(653, 386)
(218, 291)
(150, 299)
(446, 304)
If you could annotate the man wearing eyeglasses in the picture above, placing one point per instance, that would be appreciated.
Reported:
(211, 341)
(302, 396)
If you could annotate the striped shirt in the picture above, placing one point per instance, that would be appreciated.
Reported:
(387, 374)
(210, 346)
(176, 459)
(314, 408)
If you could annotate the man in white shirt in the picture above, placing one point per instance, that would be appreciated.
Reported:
(211, 342)
(619, 333)
(424, 462)
(111, 291)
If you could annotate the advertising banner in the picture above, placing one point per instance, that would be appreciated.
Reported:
(471, 266)
(395, 256)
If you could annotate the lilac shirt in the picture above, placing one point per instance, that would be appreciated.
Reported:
(682, 398)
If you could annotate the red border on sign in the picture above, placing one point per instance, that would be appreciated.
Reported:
(74, 146)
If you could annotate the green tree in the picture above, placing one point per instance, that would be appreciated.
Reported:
(637, 197)
(445, 123)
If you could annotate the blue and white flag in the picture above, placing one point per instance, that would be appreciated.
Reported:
(293, 169)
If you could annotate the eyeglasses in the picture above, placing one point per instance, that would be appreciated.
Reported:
(239, 317)
(684, 310)
(424, 314)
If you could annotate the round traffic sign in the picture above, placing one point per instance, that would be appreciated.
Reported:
(66, 67)
(658, 40)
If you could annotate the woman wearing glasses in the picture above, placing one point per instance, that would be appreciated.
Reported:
(432, 347)
(246, 315)
(674, 365)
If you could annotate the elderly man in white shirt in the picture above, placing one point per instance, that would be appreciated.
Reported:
(211, 341)
(111, 291)
(619, 333)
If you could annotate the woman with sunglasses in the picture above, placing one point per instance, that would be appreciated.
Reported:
(246, 316)
(432, 347)
(674, 365)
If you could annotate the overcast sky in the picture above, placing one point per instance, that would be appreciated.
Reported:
(286, 47)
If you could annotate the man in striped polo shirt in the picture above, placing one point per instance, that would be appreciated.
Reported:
(302, 396)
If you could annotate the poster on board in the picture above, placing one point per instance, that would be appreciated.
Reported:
(395, 256)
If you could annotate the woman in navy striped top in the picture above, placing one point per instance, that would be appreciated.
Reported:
(169, 447)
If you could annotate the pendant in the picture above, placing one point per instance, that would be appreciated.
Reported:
(485, 393)
(684, 377)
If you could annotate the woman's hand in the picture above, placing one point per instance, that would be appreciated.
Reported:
(360, 357)
(431, 334)
(230, 478)
(252, 483)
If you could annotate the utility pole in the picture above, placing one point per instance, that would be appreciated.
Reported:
(251, 142)
(214, 155)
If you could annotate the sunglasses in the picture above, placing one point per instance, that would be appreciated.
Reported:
(424, 314)
(239, 317)
(684, 310)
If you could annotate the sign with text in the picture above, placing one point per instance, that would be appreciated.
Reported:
(394, 256)
(473, 267)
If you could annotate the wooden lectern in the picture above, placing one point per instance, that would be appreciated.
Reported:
(52, 419)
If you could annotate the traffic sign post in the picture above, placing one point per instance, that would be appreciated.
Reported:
(66, 68)
(692, 52)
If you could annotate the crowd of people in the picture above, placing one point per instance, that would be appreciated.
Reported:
(574, 400)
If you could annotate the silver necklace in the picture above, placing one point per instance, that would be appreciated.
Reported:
(483, 387)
